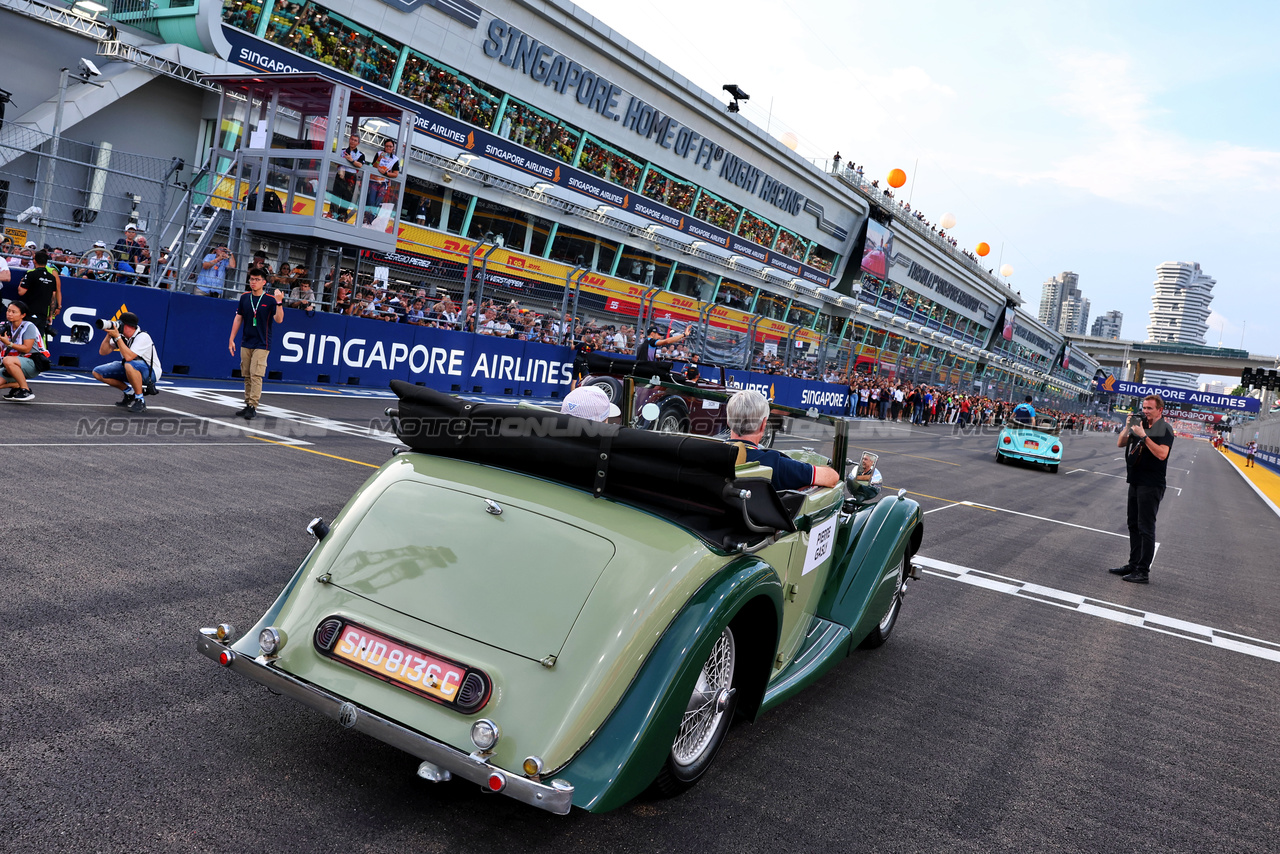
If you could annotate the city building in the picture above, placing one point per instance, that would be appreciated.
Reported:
(1063, 308)
(1179, 314)
(1107, 325)
(545, 158)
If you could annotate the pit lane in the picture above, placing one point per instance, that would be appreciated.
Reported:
(991, 721)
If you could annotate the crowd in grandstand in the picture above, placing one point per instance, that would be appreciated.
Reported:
(312, 31)
(448, 92)
(130, 261)
(675, 194)
(524, 126)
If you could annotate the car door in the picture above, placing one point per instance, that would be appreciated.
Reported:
(808, 566)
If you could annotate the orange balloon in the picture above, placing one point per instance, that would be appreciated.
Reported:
(897, 178)
(983, 249)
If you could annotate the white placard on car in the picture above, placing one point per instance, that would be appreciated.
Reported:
(822, 541)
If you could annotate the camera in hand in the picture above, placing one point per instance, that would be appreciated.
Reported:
(107, 324)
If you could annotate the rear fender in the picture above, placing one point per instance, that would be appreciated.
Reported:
(626, 753)
(853, 588)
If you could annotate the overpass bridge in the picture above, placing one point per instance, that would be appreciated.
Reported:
(1137, 357)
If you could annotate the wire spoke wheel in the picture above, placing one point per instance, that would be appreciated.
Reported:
(705, 720)
(705, 710)
(880, 633)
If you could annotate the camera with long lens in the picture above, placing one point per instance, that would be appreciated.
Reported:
(107, 324)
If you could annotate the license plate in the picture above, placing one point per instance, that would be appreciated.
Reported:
(1030, 443)
(417, 670)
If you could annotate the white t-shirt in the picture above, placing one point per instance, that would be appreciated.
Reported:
(145, 349)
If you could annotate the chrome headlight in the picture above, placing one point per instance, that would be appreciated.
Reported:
(271, 640)
(485, 734)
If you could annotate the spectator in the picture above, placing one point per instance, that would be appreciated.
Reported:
(302, 296)
(26, 257)
(213, 271)
(125, 245)
(97, 262)
(416, 315)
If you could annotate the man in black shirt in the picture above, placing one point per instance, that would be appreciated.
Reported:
(258, 312)
(41, 290)
(1147, 444)
(647, 348)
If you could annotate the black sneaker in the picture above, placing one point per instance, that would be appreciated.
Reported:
(12, 393)
(24, 395)
(248, 412)
(138, 405)
(1121, 570)
(125, 401)
(1137, 577)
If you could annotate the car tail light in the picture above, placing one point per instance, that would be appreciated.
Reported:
(224, 632)
(533, 766)
(1056, 448)
(1007, 440)
(327, 633)
(473, 692)
(226, 657)
(497, 781)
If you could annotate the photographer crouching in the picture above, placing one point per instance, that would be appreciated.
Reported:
(138, 365)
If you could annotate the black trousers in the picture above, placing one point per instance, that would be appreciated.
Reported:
(1144, 502)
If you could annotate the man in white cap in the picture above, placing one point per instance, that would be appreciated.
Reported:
(589, 402)
(97, 262)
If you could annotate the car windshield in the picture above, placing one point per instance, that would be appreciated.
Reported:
(681, 408)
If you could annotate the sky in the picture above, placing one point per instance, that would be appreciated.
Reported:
(1103, 138)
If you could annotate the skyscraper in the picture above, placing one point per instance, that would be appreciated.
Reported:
(1179, 314)
(1107, 325)
(1062, 306)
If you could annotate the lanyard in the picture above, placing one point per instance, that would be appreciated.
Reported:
(255, 306)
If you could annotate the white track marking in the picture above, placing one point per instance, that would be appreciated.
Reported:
(313, 423)
(1120, 477)
(1043, 519)
(1172, 626)
(239, 427)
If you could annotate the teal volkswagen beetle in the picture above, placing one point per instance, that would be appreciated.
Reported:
(568, 612)
(1037, 441)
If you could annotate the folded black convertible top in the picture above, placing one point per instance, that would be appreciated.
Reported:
(687, 479)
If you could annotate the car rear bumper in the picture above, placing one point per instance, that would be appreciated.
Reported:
(1030, 457)
(555, 797)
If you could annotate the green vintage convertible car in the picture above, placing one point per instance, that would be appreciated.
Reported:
(569, 612)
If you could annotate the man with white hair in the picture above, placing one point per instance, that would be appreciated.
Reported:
(748, 414)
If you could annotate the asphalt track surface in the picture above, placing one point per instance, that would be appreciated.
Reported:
(999, 717)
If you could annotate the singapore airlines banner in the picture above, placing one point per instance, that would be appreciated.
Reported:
(191, 334)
